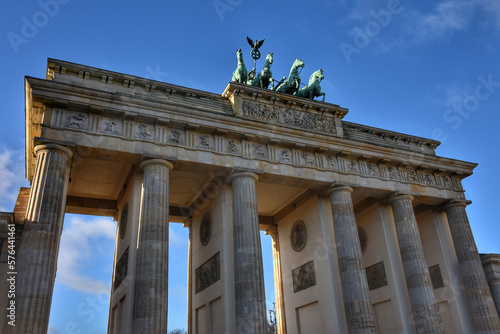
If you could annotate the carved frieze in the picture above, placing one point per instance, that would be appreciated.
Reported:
(220, 142)
(331, 162)
(77, 121)
(205, 141)
(110, 127)
(121, 270)
(260, 111)
(307, 159)
(284, 155)
(376, 276)
(373, 170)
(208, 273)
(303, 277)
(393, 173)
(175, 137)
(145, 131)
(233, 146)
(284, 116)
(259, 151)
(436, 277)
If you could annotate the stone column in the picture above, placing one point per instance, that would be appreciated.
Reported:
(248, 269)
(189, 224)
(478, 293)
(278, 282)
(151, 271)
(39, 247)
(358, 309)
(418, 281)
(491, 265)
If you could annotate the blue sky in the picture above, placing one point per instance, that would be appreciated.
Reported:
(427, 68)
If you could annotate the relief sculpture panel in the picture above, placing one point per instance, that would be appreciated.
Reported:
(295, 118)
(208, 273)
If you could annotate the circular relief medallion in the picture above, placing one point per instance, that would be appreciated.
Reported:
(123, 221)
(205, 229)
(298, 236)
(362, 238)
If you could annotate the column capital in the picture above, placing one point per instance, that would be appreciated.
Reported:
(188, 223)
(149, 162)
(337, 188)
(456, 202)
(53, 147)
(399, 197)
(236, 175)
(272, 231)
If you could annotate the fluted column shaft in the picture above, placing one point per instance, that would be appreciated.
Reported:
(248, 268)
(418, 281)
(495, 293)
(278, 282)
(189, 319)
(477, 290)
(39, 248)
(151, 272)
(358, 309)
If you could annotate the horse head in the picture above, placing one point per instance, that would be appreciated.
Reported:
(239, 54)
(316, 76)
(269, 59)
(298, 63)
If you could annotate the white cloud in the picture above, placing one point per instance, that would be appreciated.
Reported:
(414, 26)
(492, 10)
(448, 17)
(11, 176)
(79, 252)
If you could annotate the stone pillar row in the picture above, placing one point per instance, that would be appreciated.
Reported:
(38, 252)
(425, 313)
(39, 248)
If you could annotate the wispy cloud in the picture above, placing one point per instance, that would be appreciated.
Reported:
(78, 252)
(491, 9)
(447, 18)
(415, 26)
(11, 176)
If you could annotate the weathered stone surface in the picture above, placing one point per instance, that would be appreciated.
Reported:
(418, 281)
(151, 272)
(481, 303)
(248, 271)
(37, 256)
(491, 265)
(358, 309)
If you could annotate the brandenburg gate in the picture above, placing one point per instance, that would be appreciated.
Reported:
(369, 226)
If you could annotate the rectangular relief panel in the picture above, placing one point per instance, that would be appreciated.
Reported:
(376, 276)
(208, 273)
(304, 277)
(121, 270)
